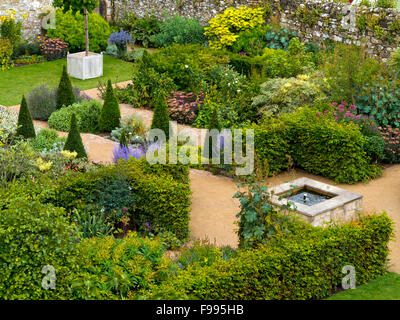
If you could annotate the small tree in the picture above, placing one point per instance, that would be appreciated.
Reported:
(209, 143)
(83, 6)
(74, 140)
(25, 123)
(65, 93)
(110, 115)
(160, 116)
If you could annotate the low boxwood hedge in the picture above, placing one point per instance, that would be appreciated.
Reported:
(161, 192)
(319, 145)
(304, 265)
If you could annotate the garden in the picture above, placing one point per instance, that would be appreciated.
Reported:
(127, 228)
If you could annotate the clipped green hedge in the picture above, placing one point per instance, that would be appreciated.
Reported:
(319, 145)
(87, 115)
(162, 192)
(163, 196)
(271, 145)
(306, 265)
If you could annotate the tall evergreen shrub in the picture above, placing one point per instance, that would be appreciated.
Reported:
(110, 114)
(25, 123)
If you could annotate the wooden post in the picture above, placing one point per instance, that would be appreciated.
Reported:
(86, 30)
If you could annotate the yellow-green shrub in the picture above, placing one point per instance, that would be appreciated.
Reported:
(224, 29)
(304, 264)
(116, 268)
(32, 236)
(6, 50)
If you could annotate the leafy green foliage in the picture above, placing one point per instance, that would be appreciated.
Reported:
(318, 144)
(275, 63)
(141, 29)
(74, 140)
(163, 194)
(284, 95)
(45, 139)
(252, 42)
(301, 265)
(6, 50)
(117, 268)
(157, 194)
(381, 99)
(77, 5)
(180, 30)
(187, 65)
(25, 123)
(65, 94)
(87, 116)
(71, 29)
(259, 220)
(348, 70)
(33, 235)
(93, 225)
(146, 83)
(211, 144)
(110, 115)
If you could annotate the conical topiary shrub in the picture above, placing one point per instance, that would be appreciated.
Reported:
(74, 140)
(160, 116)
(25, 123)
(209, 144)
(110, 115)
(65, 93)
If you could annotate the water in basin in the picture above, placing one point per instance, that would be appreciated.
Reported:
(308, 197)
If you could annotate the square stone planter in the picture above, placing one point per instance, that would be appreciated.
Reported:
(85, 67)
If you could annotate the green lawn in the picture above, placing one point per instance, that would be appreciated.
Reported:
(21, 80)
(386, 287)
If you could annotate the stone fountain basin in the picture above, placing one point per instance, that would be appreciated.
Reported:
(343, 205)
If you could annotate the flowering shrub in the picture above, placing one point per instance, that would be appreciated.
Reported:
(374, 143)
(120, 39)
(124, 152)
(11, 27)
(6, 50)
(53, 49)
(224, 28)
(184, 108)
(392, 143)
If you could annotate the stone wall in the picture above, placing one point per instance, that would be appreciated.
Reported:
(313, 20)
(33, 10)
(203, 10)
(378, 29)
